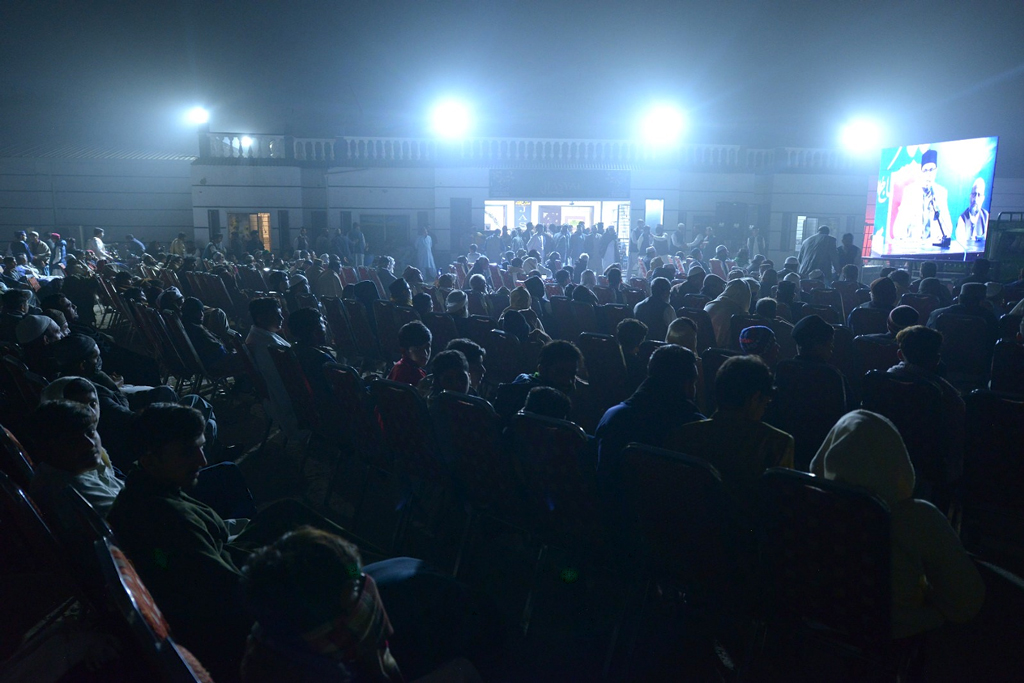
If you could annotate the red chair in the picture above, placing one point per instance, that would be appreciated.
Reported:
(632, 297)
(496, 277)
(552, 290)
(640, 284)
(442, 330)
(478, 327)
(362, 331)
(585, 316)
(849, 293)
(604, 295)
(562, 323)
(610, 315)
(14, 461)
(349, 276)
(831, 298)
(705, 330)
(341, 330)
(504, 359)
(647, 349)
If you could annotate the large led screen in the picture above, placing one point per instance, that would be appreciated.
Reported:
(934, 199)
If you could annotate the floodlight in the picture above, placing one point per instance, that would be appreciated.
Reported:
(450, 119)
(197, 116)
(861, 136)
(663, 125)
(246, 141)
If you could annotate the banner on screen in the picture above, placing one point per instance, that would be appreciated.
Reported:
(934, 199)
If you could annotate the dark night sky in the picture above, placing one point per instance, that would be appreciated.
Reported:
(765, 73)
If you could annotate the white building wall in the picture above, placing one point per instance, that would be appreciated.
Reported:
(150, 199)
(246, 189)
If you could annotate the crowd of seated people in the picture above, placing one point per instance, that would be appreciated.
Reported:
(282, 594)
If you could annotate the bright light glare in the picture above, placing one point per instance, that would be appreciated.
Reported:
(451, 119)
(246, 141)
(663, 125)
(197, 116)
(862, 136)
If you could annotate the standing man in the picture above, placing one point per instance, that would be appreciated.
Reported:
(639, 240)
(756, 244)
(819, 252)
(134, 247)
(974, 220)
(95, 244)
(301, 242)
(213, 248)
(576, 244)
(357, 245)
(849, 253)
(178, 245)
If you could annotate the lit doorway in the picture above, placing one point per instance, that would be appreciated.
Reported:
(246, 223)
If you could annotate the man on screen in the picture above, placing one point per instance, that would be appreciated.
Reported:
(924, 211)
(973, 222)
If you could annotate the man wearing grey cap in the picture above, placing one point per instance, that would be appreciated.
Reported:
(972, 294)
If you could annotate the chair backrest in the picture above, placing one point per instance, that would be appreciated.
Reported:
(442, 330)
(30, 385)
(685, 516)
(1007, 368)
(811, 285)
(478, 327)
(387, 329)
(341, 330)
(606, 369)
(352, 400)
(633, 296)
(610, 315)
(181, 343)
(696, 301)
(829, 297)
(740, 321)
(810, 398)
(498, 302)
(966, 347)
(711, 360)
(826, 313)
(236, 342)
(560, 492)
(504, 361)
(647, 349)
(508, 280)
(139, 610)
(848, 292)
(552, 289)
(924, 304)
(604, 294)
(407, 430)
(362, 331)
(349, 276)
(875, 354)
(1009, 326)
(868, 321)
(826, 556)
(562, 323)
(916, 410)
(495, 272)
(705, 330)
(14, 461)
(300, 393)
(471, 431)
(584, 315)
(844, 358)
(993, 467)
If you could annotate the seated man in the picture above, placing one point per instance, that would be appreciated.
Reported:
(414, 340)
(815, 342)
(630, 333)
(449, 371)
(181, 547)
(37, 335)
(311, 351)
(972, 294)
(883, 296)
(15, 307)
(267, 321)
(548, 402)
(655, 311)
(920, 362)
(900, 318)
(735, 440)
(760, 341)
(557, 366)
(664, 399)
(216, 357)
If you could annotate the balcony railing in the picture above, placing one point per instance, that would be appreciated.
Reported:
(380, 151)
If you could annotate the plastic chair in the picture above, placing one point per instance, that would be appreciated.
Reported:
(705, 330)
(585, 316)
(993, 468)
(831, 298)
(868, 321)
(848, 291)
(606, 368)
(341, 330)
(562, 324)
(696, 301)
(478, 328)
(14, 461)
(809, 399)
(610, 315)
(826, 313)
(826, 565)
(362, 330)
(442, 330)
(1009, 326)
(504, 360)
(711, 360)
(924, 304)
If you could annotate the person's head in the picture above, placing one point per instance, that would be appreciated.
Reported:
(456, 304)
(64, 435)
(78, 355)
(266, 313)
(883, 292)
(473, 249)
(414, 340)
(37, 330)
(886, 272)
(902, 279)
(614, 277)
(535, 286)
(630, 333)
(847, 239)
(934, 287)
(981, 266)
(520, 299)
(929, 269)
(721, 252)
(400, 292)
(278, 281)
(308, 579)
(660, 287)
(558, 364)
(548, 402)
(76, 389)
(563, 277)
(851, 273)
(474, 355)
(767, 308)
(977, 195)
(478, 283)
(308, 327)
(422, 303)
(451, 372)
(446, 281)
(769, 279)
(192, 311)
(866, 450)
(823, 230)
(588, 278)
(412, 275)
(672, 368)
(16, 301)
(791, 264)
(972, 294)
(386, 262)
(97, 232)
(168, 441)
(713, 286)
(583, 294)
(760, 341)
(900, 318)
(744, 385)
(929, 167)
(514, 323)
(814, 337)
(170, 299)
(61, 320)
(682, 332)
